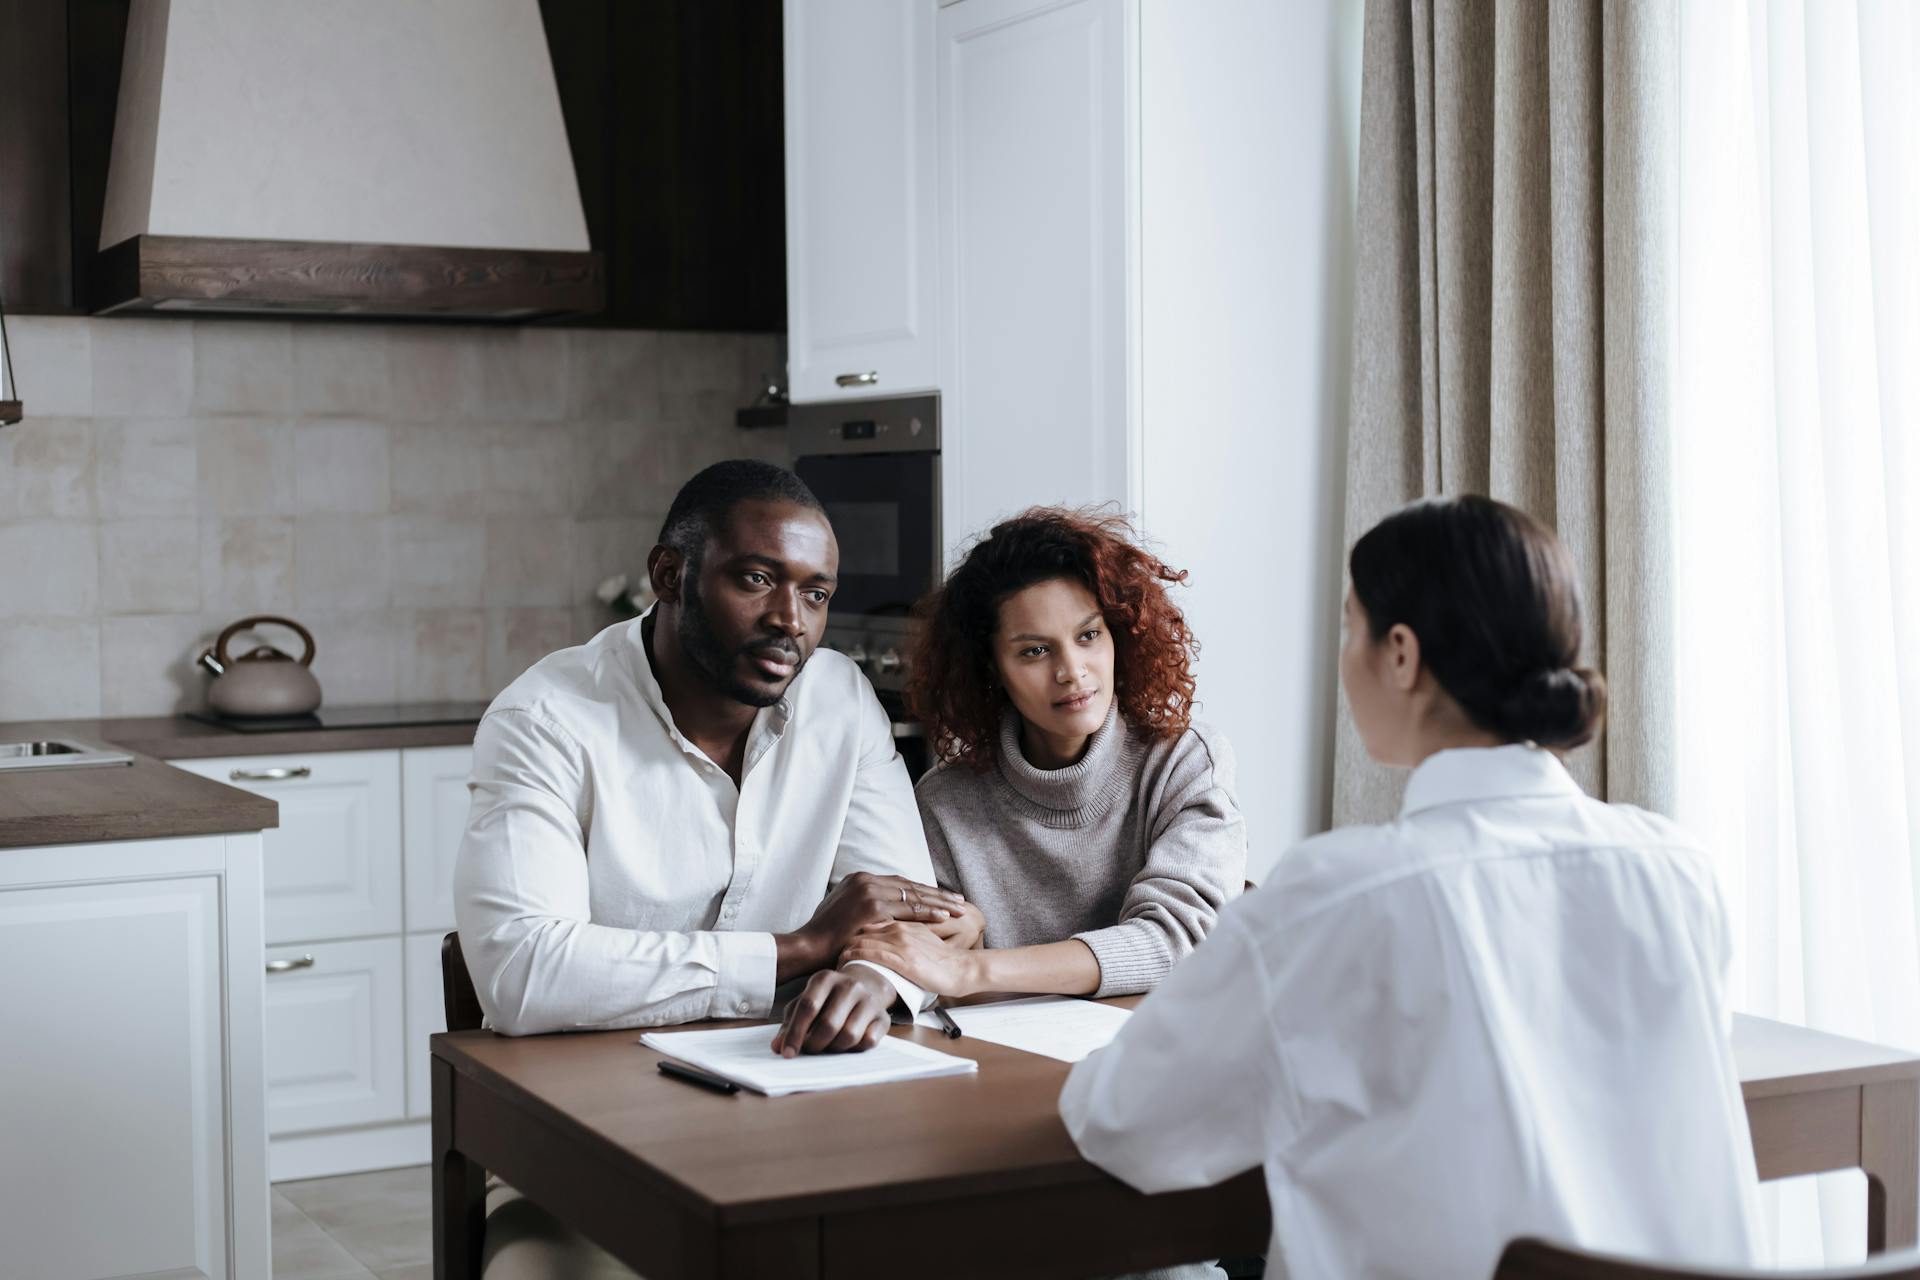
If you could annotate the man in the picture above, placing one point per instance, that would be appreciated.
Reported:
(690, 810)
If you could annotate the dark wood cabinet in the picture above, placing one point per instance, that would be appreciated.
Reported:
(59, 82)
(673, 112)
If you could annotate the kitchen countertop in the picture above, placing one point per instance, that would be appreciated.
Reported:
(178, 738)
(149, 798)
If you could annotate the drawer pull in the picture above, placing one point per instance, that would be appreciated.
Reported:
(858, 379)
(270, 775)
(288, 966)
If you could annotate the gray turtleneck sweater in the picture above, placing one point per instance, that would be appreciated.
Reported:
(1133, 850)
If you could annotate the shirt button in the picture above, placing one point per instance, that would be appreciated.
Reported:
(744, 1006)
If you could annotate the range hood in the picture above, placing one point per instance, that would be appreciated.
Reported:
(346, 157)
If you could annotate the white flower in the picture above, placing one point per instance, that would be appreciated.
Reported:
(611, 589)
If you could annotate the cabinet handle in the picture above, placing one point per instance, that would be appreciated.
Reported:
(270, 775)
(288, 966)
(858, 379)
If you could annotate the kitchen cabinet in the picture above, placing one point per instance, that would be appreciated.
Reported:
(1094, 157)
(335, 1035)
(131, 1090)
(434, 782)
(862, 294)
(59, 81)
(1037, 206)
(426, 1017)
(333, 866)
(359, 893)
(673, 117)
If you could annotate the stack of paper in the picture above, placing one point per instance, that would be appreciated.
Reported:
(742, 1055)
(1053, 1026)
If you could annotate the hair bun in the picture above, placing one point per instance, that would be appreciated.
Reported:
(1555, 707)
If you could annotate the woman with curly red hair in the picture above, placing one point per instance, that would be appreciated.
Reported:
(1078, 806)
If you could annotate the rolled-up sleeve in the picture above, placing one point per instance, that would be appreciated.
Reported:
(523, 906)
(1196, 863)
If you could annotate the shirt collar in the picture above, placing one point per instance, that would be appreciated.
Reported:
(1486, 773)
(771, 720)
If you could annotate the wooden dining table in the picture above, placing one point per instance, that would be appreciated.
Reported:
(971, 1175)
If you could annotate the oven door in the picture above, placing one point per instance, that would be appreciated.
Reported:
(885, 512)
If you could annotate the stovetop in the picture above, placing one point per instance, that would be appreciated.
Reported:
(386, 715)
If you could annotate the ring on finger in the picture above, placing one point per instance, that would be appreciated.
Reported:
(903, 893)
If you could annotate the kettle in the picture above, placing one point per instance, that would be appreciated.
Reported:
(265, 681)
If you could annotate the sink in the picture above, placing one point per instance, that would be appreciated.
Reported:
(58, 753)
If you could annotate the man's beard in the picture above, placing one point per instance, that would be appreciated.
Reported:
(712, 659)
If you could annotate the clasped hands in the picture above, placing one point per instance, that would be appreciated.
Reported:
(915, 930)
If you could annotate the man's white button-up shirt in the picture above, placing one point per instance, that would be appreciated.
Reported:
(613, 876)
(1503, 1015)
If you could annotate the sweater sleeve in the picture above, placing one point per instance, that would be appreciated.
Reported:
(1196, 863)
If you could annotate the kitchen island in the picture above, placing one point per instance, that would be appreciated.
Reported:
(131, 1089)
(149, 798)
(143, 800)
(361, 810)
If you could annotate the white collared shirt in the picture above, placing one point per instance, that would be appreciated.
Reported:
(1502, 1015)
(613, 876)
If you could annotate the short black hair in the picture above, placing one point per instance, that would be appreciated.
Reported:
(711, 495)
(1490, 593)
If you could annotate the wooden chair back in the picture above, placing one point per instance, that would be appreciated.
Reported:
(456, 987)
(1538, 1260)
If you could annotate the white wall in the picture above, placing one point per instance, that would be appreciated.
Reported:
(1249, 116)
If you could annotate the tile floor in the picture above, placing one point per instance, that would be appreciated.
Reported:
(356, 1227)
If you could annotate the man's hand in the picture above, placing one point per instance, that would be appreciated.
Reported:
(964, 930)
(859, 900)
(841, 1011)
(913, 952)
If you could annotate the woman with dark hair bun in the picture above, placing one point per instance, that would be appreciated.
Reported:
(1088, 819)
(1503, 1014)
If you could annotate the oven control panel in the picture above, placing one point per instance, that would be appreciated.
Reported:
(878, 646)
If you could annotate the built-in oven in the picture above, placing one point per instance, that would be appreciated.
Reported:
(875, 466)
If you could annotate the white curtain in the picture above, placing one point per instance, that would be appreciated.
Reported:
(1797, 504)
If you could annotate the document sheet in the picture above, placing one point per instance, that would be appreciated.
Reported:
(1053, 1026)
(740, 1054)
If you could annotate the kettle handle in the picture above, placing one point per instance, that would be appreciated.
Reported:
(220, 646)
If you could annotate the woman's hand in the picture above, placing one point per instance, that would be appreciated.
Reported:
(964, 929)
(915, 953)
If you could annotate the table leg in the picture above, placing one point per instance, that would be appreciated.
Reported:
(459, 1192)
(790, 1250)
(1890, 1155)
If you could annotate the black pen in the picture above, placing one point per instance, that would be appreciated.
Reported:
(681, 1071)
(947, 1023)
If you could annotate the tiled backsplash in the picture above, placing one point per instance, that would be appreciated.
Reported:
(435, 504)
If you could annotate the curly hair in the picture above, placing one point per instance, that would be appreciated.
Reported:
(952, 687)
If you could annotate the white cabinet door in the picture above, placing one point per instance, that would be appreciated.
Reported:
(1036, 214)
(112, 1110)
(860, 198)
(426, 1016)
(335, 1029)
(333, 864)
(433, 805)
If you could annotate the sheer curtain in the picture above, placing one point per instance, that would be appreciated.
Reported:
(1797, 475)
